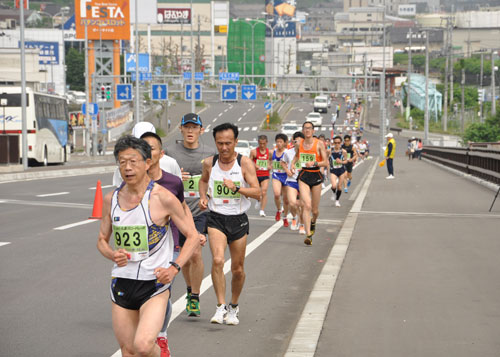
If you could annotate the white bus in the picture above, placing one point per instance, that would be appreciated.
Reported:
(47, 123)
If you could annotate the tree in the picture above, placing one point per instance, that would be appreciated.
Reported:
(488, 131)
(75, 63)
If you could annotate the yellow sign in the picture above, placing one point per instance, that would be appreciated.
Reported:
(221, 29)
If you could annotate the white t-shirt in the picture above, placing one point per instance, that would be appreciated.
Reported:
(167, 164)
(288, 158)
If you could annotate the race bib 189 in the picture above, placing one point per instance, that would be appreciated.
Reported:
(134, 239)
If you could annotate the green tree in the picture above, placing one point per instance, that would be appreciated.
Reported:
(489, 131)
(75, 63)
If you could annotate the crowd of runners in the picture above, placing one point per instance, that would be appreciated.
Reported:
(171, 200)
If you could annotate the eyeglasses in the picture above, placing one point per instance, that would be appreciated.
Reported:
(132, 162)
(337, 142)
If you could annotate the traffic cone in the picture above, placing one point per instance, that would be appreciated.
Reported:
(97, 210)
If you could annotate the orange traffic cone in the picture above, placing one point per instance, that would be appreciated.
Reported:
(97, 211)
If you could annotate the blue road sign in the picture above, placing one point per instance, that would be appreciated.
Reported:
(143, 76)
(249, 92)
(159, 91)
(198, 76)
(267, 105)
(229, 92)
(229, 76)
(143, 62)
(93, 108)
(187, 92)
(123, 92)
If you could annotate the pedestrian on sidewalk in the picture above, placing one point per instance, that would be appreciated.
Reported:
(420, 146)
(390, 150)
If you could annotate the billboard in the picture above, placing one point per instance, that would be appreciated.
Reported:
(106, 20)
(49, 51)
(280, 16)
(174, 15)
(407, 10)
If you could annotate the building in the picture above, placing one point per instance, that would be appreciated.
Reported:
(399, 39)
(10, 68)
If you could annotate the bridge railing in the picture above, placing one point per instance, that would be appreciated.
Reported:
(476, 161)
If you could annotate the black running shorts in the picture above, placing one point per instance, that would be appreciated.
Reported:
(234, 227)
(311, 178)
(132, 294)
(348, 167)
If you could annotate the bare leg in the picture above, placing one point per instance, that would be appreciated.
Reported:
(305, 199)
(263, 188)
(218, 244)
(237, 249)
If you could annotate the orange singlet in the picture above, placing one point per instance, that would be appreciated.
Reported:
(309, 155)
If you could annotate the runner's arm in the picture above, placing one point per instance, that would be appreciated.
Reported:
(322, 153)
(250, 176)
(118, 256)
(203, 184)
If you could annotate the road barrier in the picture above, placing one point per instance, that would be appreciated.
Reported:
(476, 161)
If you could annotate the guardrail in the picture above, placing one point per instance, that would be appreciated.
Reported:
(476, 161)
(376, 126)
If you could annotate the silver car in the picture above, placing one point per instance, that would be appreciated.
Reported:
(315, 118)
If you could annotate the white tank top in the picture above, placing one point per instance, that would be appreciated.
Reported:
(150, 246)
(222, 200)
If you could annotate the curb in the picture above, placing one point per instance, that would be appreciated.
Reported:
(40, 175)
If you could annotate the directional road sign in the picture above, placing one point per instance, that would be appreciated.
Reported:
(187, 92)
(229, 92)
(267, 105)
(198, 76)
(159, 91)
(143, 76)
(123, 92)
(249, 92)
(93, 108)
(130, 62)
(229, 76)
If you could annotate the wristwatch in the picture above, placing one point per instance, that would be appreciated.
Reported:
(236, 189)
(176, 266)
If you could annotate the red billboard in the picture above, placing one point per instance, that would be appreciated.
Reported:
(174, 16)
(105, 19)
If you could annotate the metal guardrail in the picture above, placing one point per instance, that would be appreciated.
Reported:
(376, 126)
(480, 162)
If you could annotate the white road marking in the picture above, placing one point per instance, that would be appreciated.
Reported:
(225, 110)
(239, 119)
(68, 226)
(246, 128)
(323, 128)
(220, 114)
(431, 214)
(53, 194)
(4, 243)
(245, 113)
(208, 127)
(49, 204)
(213, 121)
(307, 332)
(105, 186)
(254, 128)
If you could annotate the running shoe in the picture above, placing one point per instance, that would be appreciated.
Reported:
(257, 204)
(262, 213)
(294, 225)
(194, 308)
(285, 222)
(337, 203)
(302, 229)
(348, 183)
(346, 190)
(333, 198)
(313, 227)
(323, 185)
(390, 177)
(219, 315)
(188, 302)
(232, 315)
(278, 216)
(308, 240)
(162, 342)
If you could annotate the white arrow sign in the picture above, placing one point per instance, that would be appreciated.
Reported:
(126, 94)
(248, 94)
(159, 91)
(229, 90)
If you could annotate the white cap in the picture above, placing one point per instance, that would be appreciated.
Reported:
(389, 135)
(141, 128)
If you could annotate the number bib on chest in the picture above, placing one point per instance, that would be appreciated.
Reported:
(262, 164)
(348, 156)
(305, 158)
(134, 239)
(224, 194)
(191, 186)
(277, 166)
(336, 165)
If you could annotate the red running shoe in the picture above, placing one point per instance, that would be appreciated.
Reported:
(163, 343)
(278, 216)
(285, 222)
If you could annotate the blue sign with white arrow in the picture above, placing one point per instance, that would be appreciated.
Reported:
(267, 105)
(123, 92)
(229, 92)
(249, 92)
(93, 108)
(187, 92)
(198, 76)
(159, 92)
(130, 62)
(229, 76)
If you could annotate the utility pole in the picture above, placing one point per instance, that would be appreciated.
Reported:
(137, 101)
(451, 56)
(481, 85)
(426, 117)
(87, 95)
(408, 77)
(462, 112)
(24, 119)
(493, 95)
(446, 73)
(382, 92)
(193, 88)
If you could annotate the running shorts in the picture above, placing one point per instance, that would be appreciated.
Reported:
(292, 184)
(132, 294)
(262, 178)
(200, 222)
(337, 172)
(348, 167)
(311, 178)
(234, 227)
(281, 177)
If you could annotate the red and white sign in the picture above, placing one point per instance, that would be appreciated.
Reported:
(106, 20)
(174, 16)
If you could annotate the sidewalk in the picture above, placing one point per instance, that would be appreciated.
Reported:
(420, 277)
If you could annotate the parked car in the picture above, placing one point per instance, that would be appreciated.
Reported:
(315, 118)
(243, 147)
(290, 128)
(321, 104)
(253, 144)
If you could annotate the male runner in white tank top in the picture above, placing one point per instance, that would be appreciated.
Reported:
(137, 215)
(227, 182)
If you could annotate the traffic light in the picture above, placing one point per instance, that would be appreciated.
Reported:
(103, 92)
(108, 93)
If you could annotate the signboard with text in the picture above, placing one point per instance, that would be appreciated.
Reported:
(174, 15)
(49, 51)
(106, 20)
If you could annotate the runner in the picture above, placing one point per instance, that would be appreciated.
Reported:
(190, 154)
(312, 156)
(227, 183)
(361, 149)
(137, 214)
(338, 158)
(292, 186)
(279, 178)
(352, 155)
(261, 158)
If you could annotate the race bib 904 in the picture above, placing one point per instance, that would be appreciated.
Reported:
(134, 239)
(223, 192)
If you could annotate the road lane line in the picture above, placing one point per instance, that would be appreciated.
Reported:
(225, 110)
(68, 226)
(246, 128)
(432, 214)
(245, 113)
(4, 243)
(105, 186)
(306, 335)
(220, 114)
(254, 128)
(49, 204)
(213, 121)
(53, 194)
(239, 119)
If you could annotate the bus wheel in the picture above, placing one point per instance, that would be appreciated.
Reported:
(45, 159)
